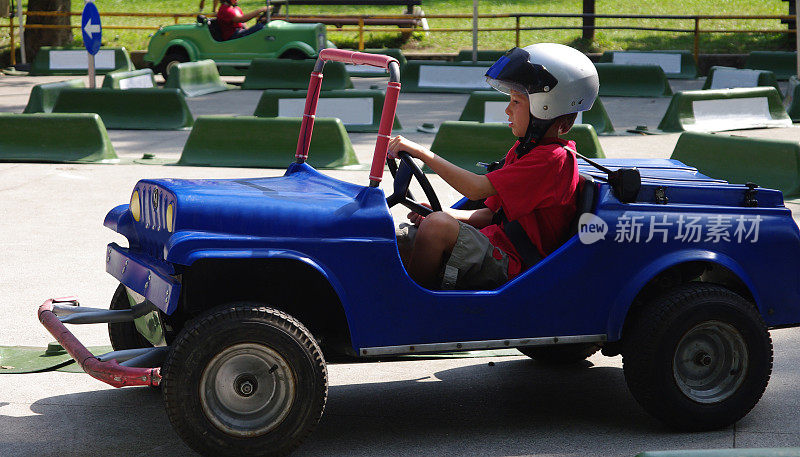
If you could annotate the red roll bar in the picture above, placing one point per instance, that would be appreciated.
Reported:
(387, 115)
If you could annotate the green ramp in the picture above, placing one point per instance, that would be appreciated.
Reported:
(370, 71)
(782, 63)
(359, 110)
(725, 109)
(44, 96)
(720, 77)
(136, 79)
(617, 80)
(264, 142)
(774, 164)
(490, 105)
(294, 74)
(676, 64)
(484, 55)
(132, 109)
(753, 452)
(196, 78)
(444, 77)
(74, 61)
(467, 143)
(49, 137)
(792, 99)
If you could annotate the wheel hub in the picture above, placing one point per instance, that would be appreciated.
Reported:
(247, 389)
(710, 362)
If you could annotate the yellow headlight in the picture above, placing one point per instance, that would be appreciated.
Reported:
(135, 207)
(169, 217)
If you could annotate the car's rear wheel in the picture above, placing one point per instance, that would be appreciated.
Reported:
(123, 335)
(294, 54)
(698, 357)
(244, 380)
(169, 61)
(560, 354)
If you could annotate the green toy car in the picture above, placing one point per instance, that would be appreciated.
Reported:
(175, 44)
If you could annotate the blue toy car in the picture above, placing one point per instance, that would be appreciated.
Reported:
(235, 292)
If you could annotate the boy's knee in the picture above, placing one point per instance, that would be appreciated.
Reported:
(440, 227)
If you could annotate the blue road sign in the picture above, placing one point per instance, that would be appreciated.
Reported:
(91, 29)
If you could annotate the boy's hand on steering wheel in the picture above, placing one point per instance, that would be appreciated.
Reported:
(401, 143)
(415, 218)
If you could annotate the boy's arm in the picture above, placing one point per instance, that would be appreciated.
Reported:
(469, 184)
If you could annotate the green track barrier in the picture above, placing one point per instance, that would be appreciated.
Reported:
(244, 141)
(792, 99)
(44, 96)
(359, 110)
(467, 143)
(370, 71)
(484, 55)
(444, 77)
(725, 109)
(731, 78)
(489, 106)
(763, 452)
(676, 64)
(617, 80)
(774, 164)
(294, 74)
(136, 79)
(54, 138)
(782, 63)
(196, 78)
(132, 109)
(74, 61)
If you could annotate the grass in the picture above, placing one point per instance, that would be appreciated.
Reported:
(450, 42)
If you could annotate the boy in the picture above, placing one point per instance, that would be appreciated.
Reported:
(530, 200)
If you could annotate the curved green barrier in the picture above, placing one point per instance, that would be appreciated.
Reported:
(676, 64)
(617, 80)
(54, 138)
(774, 164)
(782, 63)
(132, 109)
(244, 141)
(444, 77)
(44, 96)
(359, 110)
(74, 61)
(136, 79)
(294, 74)
(720, 77)
(196, 78)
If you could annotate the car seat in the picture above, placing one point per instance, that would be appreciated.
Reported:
(585, 203)
(213, 27)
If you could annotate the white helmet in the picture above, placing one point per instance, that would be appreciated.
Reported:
(557, 78)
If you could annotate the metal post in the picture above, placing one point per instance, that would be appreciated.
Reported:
(696, 40)
(474, 31)
(517, 31)
(92, 82)
(21, 33)
(588, 21)
(797, 33)
(361, 33)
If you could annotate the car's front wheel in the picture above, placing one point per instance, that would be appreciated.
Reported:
(244, 380)
(698, 357)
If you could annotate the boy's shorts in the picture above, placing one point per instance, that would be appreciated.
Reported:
(474, 264)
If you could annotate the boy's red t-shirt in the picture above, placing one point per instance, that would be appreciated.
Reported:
(226, 19)
(538, 190)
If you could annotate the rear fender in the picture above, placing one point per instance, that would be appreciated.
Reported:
(298, 46)
(625, 299)
(188, 46)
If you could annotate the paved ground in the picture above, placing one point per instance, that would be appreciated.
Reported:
(52, 243)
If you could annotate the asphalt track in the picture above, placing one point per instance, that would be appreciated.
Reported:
(52, 243)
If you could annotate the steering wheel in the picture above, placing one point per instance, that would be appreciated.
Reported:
(402, 180)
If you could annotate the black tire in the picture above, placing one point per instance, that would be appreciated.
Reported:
(560, 354)
(230, 365)
(698, 357)
(170, 59)
(123, 335)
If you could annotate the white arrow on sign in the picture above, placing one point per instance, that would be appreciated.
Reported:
(91, 28)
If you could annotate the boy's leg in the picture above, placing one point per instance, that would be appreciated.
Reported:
(434, 241)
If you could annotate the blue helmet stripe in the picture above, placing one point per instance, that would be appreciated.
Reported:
(497, 68)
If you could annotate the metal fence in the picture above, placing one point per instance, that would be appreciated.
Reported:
(517, 26)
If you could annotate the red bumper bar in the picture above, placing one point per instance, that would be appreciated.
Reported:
(109, 372)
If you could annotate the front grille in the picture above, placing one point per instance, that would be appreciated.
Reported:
(153, 228)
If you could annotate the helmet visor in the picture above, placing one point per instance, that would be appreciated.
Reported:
(515, 72)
